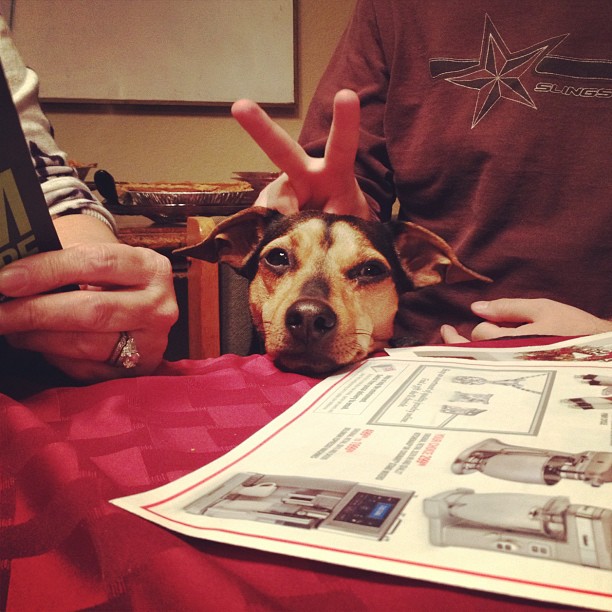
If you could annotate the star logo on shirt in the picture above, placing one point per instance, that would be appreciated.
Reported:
(496, 75)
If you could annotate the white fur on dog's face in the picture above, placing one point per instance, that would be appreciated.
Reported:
(324, 288)
(334, 263)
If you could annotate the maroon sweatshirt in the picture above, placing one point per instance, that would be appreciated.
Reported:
(491, 122)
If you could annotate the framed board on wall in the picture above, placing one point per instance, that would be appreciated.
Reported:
(192, 52)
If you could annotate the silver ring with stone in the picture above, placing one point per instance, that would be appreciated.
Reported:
(125, 354)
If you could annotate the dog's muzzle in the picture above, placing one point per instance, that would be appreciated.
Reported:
(310, 320)
(311, 325)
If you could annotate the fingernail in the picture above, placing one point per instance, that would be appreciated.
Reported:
(12, 278)
(480, 306)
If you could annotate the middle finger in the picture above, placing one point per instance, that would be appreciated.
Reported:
(343, 141)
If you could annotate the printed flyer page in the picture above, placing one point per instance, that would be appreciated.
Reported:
(593, 348)
(486, 475)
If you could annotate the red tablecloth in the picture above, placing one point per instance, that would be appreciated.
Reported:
(65, 451)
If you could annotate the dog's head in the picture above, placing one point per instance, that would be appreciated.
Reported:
(324, 288)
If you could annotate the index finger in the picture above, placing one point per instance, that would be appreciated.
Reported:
(282, 150)
(107, 264)
(509, 310)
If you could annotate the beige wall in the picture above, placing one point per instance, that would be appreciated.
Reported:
(194, 144)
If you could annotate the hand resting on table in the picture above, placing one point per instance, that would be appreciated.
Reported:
(522, 317)
(123, 288)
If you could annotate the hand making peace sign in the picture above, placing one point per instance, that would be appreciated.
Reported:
(326, 183)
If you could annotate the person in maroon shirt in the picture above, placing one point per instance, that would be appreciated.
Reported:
(491, 126)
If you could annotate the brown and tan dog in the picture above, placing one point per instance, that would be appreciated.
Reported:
(324, 288)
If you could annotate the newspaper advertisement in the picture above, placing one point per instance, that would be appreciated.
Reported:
(484, 474)
(597, 348)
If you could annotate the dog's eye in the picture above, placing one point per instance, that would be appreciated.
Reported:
(372, 268)
(277, 258)
(369, 271)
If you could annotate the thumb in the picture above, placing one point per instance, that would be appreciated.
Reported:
(451, 336)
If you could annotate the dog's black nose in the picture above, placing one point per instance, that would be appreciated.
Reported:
(310, 319)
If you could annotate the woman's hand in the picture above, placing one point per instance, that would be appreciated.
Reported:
(523, 317)
(123, 289)
(326, 183)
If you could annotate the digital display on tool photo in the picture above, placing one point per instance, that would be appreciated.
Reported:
(367, 509)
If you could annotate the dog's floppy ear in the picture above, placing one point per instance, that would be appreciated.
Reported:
(428, 259)
(235, 239)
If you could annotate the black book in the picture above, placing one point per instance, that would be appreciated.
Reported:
(25, 223)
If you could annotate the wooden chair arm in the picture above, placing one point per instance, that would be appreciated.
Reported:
(203, 296)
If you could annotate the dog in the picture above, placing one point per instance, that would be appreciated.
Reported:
(324, 288)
